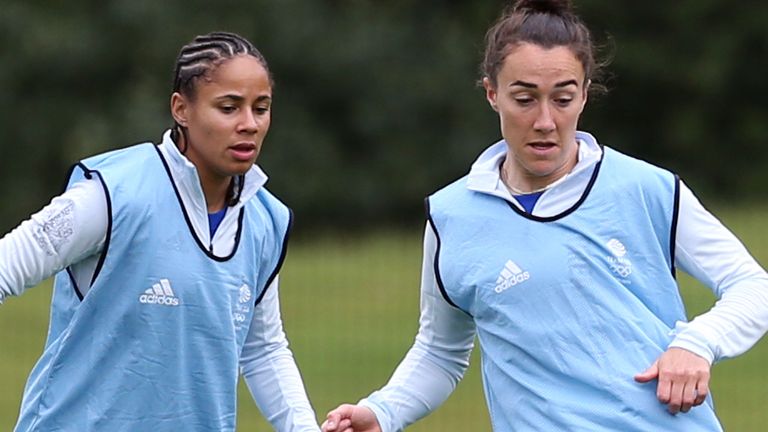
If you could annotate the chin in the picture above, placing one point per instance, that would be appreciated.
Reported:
(239, 169)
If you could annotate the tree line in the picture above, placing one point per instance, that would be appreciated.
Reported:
(376, 104)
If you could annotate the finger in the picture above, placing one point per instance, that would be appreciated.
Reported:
(344, 424)
(664, 390)
(689, 397)
(332, 421)
(675, 401)
(702, 390)
(649, 374)
(328, 427)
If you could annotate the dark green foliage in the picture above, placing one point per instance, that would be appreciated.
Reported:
(376, 104)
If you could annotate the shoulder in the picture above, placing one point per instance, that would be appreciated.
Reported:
(458, 200)
(457, 187)
(128, 162)
(614, 156)
(620, 168)
(267, 210)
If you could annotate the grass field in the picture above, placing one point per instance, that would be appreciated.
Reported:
(350, 307)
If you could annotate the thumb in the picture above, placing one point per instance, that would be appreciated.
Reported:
(649, 374)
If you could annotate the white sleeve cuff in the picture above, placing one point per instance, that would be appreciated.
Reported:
(382, 415)
(691, 340)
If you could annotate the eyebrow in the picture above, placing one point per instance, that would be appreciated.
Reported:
(238, 98)
(533, 86)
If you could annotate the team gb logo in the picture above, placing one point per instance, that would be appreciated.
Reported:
(245, 294)
(620, 264)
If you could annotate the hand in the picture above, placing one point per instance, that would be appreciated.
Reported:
(683, 379)
(351, 418)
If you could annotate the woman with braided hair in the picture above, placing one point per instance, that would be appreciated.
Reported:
(166, 259)
(559, 254)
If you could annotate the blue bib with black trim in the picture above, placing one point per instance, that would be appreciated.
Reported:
(155, 343)
(569, 308)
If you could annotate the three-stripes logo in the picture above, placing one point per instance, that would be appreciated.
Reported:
(510, 276)
(160, 294)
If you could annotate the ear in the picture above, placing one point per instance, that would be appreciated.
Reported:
(585, 95)
(490, 93)
(179, 107)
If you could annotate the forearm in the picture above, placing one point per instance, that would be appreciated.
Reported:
(419, 385)
(270, 371)
(736, 322)
(277, 388)
(712, 254)
(434, 365)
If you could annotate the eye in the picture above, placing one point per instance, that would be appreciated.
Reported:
(261, 110)
(524, 100)
(227, 109)
(563, 101)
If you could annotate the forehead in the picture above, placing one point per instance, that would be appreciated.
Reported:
(533, 63)
(243, 74)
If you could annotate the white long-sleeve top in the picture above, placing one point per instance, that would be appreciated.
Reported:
(704, 248)
(35, 251)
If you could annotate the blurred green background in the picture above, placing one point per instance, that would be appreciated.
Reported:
(376, 106)
(350, 309)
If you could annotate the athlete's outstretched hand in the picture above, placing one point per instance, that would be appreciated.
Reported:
(683, 379)
(351, 418)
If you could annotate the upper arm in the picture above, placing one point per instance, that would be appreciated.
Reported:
(265, 334)
(442, 326)
(709, 251)
(72, 227)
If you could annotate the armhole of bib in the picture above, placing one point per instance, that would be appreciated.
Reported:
(89, 174)
(436, 262)
(673, 227)
(280, 260)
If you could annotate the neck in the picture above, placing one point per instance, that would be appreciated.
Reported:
(214, 186)
(522, 183)
(527, 189)
(215, 191)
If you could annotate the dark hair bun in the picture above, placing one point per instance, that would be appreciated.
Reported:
(555, 7)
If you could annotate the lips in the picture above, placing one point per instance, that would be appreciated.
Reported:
(542, 146)
(243, 151)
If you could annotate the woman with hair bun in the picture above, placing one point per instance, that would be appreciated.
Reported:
(559, 254)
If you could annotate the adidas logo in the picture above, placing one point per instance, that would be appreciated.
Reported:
(161, 294)
(510, 276)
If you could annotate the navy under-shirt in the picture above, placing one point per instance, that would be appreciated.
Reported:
(529, 200)
(214, 219)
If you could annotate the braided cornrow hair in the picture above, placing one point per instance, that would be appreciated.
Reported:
(196, 60)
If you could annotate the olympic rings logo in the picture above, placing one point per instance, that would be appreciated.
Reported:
(622, 270)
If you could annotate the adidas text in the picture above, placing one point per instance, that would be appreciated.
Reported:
(160, 294)
(512, 281)
(510, 276)
(158, 299)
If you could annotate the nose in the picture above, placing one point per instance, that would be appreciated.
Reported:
(544, 123)
(248, 122)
